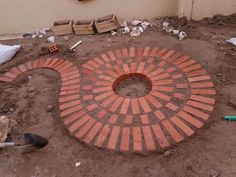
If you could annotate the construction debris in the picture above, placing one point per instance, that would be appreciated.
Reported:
(51, 39)
(6, 126)
(7, 52)
(170, 29)
(74, 46)
(182, 35)
(232, 41)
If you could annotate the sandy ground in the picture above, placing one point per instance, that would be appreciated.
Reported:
(209, 153)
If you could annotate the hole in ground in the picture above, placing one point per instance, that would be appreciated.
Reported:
(132, 85)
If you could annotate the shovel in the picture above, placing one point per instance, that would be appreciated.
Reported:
(31, 143)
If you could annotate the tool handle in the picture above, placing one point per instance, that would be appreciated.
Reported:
(6, 144)
(232, 118)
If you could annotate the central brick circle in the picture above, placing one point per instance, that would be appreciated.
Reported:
(132, 85)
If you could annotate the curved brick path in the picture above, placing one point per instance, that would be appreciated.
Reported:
(180, 101)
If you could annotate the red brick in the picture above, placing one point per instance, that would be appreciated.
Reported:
(22, 68)
(102, 89)
(192, 68)
(85, 128)
(179, 95)
(101, 114)
(199, 78)
(160, 76)
(168, 54)
(202, 99)
(172, 131)
(162, 63)
(163, 82)
(113, 138)
(131, 52)
(185, 128)
(36, 62)
(149, 69)
(92, 63)
(69, 92)
(87, 97)
(116, 104)
(71, 82)
(160, 115)
(16, 71)
(64, 79)
(41, 62)
(87, 87)
(171, 69)
(125, 139)
(58, 63)
(66, 67)
(88, 66)
(135, 106)
(70, 104)
(150, 145)
(28, 65)
(140, 67)
(128, 119)
(99, 61)
(133, 68)
(153, 101)
(68, 98)
(93, 132)
(109, 100)
(70, 110)
(157, 72)
(103, 83)
(137, 139)
(186, 64)
(163, 88)
(92, 107)
(5, 79)
(111, 55)
(119, 53)
(105, 58)
(118, 62)
(146, 51)
(98, 71)
(112, 73)
(102, 135)
(160, 95)
(125, 53)
(74, 117)
(108, 65)
(181, 86)
(200, 105)
(10, 75)
(113, 119)
(104, 95)
(126, 68)
(91, 78)
(196, 73)
(105, 77)
(196, 112)
(190, 119)
(140, 52)
(119, 70)
(201, 85)
(70, 87)
(153, 52)
(125, 106)
(181, 60)
(203, 92)
(79, 123)
(177, 76)
(174, 57)
(144, 104)
(144, 119)
(160, 136)
(162, 52)
(71, 73)
(150, 60)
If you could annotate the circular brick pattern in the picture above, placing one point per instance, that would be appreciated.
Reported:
(180, 99)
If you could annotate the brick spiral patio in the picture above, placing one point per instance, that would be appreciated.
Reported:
(180, 101)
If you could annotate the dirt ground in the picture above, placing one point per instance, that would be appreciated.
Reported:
(209, 153)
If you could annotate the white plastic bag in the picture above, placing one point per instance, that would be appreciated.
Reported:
(7, 52)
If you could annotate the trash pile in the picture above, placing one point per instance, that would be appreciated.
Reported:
(38, 34)
(134, 28)
(170, 29)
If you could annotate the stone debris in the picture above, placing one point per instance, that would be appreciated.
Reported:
(232, 41)
(6, 126)
(170, 29)
(51, 39)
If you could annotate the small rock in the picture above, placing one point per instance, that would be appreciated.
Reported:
(31, 89)
(77, 164)
(218, 74)
(50, 108)
(66, 38)
(222, 93)
(12, 109)
(167, 153)
(215, 174)
(232, 103)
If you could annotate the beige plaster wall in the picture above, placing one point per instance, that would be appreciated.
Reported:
(18, 16)
(198, 9)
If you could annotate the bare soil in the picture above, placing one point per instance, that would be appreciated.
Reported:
(209, 153)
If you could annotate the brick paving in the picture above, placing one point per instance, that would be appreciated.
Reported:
(181, 99)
